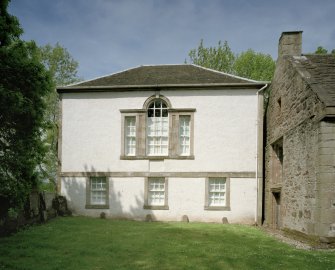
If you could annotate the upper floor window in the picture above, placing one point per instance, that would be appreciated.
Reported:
(157, 131)
(157, 128)
(130, 135)
(184, 135)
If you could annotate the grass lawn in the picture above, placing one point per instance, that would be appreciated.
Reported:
(87, 243)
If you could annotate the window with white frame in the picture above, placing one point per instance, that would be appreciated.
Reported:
(156, 191)
(157, 128)
(184, 135)
(98, 191)
(216, 192)
(130, 136)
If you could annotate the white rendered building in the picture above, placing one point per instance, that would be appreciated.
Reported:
(164, 141)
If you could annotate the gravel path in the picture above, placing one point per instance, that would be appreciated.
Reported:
(293, 242)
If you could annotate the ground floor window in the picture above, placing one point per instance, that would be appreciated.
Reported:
(217, 194)
(156, 195)
(97, 192)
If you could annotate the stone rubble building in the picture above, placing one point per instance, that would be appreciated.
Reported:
(300, 142)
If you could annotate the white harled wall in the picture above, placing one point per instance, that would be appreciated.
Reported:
(224, 141)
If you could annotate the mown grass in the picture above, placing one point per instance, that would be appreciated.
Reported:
(87, 243)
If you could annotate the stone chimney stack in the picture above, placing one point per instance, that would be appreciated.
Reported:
(290, 43)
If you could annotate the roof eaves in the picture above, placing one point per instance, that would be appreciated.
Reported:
(120, 88)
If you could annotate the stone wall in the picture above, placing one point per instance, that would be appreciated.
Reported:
(292, 117)
(39, 207)
(299, 178)
(290, 43)
(301, 196)
(291, 101)
(326, 181)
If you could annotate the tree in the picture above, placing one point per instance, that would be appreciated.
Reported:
(63, 69)
(24, 84)
(321, 50)
(256, 66)
(60, 63)
(249, 64)
(219, 58)
(10, 29)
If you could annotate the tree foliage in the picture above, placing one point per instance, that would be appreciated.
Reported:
(249, 64)
(322, 50)
(60, 63)
(219, 58)
(10, 29)
(63, 69)
(24, 84)
(253, 65)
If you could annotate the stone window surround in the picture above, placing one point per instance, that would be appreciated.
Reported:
(146, 194)
(217, 208)
(88, 194)
(141, 118)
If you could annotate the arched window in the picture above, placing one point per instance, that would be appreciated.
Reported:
(157, 128)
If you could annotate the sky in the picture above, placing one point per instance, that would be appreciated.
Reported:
(108, 36)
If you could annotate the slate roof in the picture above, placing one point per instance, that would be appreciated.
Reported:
(157, 75)
(318, 70)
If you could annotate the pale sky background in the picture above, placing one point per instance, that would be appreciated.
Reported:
(107, 36)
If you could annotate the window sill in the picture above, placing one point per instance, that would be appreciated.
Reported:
(156, 207)
(217, 208)
(156, 157)
(96, 206)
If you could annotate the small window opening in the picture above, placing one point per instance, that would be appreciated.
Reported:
(277, 161)
(279, 152)
(279, 103)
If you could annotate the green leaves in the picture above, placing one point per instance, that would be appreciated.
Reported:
(249, 64)
(220, 58)
(24, 84)
(10, 29)
(61, 65)
(63, 71)
(321, 50)
(28, 110)
(256, 66)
